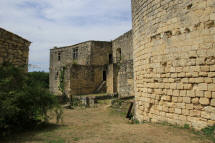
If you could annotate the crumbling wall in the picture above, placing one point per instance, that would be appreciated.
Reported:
(13, 49)
(123, 57)
(100, 52)
(61, 57)
(125, 43)
(89, 53)
(174, 61)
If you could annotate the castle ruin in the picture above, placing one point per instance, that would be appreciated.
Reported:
(167, 61)
(93, 67)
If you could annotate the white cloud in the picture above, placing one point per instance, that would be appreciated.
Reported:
(49, 23)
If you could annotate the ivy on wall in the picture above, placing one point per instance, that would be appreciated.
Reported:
(61, 86)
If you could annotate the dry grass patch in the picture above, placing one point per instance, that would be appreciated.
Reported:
(103, 125)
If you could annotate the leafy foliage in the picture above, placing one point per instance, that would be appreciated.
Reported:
(41, 77)
(24, 99)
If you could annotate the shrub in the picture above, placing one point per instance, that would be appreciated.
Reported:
(24, 102)
(41, 77)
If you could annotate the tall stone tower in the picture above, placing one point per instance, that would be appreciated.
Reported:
(174, 61)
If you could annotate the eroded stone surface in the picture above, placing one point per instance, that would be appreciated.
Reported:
(174, 53)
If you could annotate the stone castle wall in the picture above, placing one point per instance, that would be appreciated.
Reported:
(89, 54)
(13, 49)
(174, 61)
(124, 73)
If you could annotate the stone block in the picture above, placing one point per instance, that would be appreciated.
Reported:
(208, 80)
(203, 86)
(180, 99)
(166, 98)
(199, 93)
(205, 68)
(183, 92)
(195, 100)
(211, 87)
(195, 113)
(189, 106)
(176, 92)
(212, 102)
(191, 93)
(208, 94)
(174, 99)
(212, 68)
(205, 115)
(185, 112)
(213, 95)
(186, 99)
(178, 111)
(204, 101)
(211, 74)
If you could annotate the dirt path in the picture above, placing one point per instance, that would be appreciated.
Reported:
(102, 125)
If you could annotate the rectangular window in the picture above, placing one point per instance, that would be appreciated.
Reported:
(59, 56)
(75, 53)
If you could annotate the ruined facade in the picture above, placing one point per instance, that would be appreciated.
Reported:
(84, 65)
(93, 67)
(123, 58)
(174, 61)
(13, 49)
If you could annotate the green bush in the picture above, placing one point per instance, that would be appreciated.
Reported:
(24, 102)
(41, 77)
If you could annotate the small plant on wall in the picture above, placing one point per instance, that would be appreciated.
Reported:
(61, 86)
(74, 62)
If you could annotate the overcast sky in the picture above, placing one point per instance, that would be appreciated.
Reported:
(49, 23)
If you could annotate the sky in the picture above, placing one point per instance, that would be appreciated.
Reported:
(50, 23)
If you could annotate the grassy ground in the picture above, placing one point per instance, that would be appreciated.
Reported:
(103, 125)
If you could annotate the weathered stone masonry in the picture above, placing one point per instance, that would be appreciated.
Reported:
(85, 67)
(123, 57)
(174, 61)
(94, 67)
(13, 49)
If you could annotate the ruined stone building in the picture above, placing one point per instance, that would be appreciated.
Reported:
(93, 67)
(13, 49)
(174, 61)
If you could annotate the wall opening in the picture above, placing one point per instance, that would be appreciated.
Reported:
(104, 75)
(59, 56)
(75, 53)
(110, 58)
(118, 55)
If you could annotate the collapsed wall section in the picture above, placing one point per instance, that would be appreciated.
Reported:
(174, 61)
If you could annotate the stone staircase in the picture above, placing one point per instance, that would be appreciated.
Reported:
(101, 88)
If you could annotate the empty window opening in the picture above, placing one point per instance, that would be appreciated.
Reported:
(118, 54)
(104, 76)
(75, 54)
(110, 58)
(59, 56)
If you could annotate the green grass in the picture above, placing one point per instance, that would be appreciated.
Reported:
(209, 132)
(57, 141)
(75, 138)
